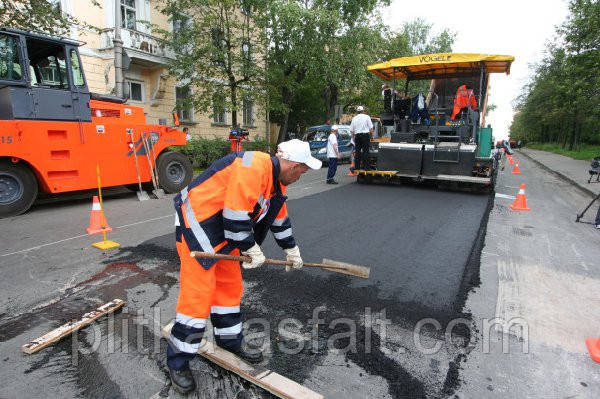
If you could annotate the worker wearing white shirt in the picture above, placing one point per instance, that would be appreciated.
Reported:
(333, 154)
(361, 128)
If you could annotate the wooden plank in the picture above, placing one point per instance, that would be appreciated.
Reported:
(268, 380)
(68, 328)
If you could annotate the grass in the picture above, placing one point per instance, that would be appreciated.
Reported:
(584, 152)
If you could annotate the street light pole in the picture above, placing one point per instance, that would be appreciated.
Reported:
(118, 44)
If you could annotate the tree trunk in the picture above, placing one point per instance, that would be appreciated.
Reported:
(330, 95)
(284, 127)
(573, 133)
(234, 105)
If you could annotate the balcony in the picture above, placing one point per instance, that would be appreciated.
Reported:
(143, 49)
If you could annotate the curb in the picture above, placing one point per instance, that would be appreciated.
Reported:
(560, 175)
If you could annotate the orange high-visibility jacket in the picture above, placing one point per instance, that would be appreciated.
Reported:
(233, 204)
(464, 98)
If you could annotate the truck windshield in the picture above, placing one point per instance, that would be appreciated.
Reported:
(316, 135)
(10, 62)
(47, 63)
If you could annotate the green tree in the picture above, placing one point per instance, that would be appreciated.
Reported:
(560, 103)
(218, 52)
(304, 42)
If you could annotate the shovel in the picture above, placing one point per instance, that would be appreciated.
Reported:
(141, 194)
(158, 192)
(328, 264)
(155, 171)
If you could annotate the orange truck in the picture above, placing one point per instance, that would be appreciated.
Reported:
(53, 131)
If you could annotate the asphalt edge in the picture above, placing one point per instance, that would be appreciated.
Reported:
(560, 175)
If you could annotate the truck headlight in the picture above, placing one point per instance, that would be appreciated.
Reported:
(322, 151)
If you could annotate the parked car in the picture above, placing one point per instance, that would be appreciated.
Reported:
(317, 138)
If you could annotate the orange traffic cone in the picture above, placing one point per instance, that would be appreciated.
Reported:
(517, 170)
(97, 224)
(593, 345)
(350, 173)
(520, 203)
(510, 159)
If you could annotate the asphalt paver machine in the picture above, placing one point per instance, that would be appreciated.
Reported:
(434, 136)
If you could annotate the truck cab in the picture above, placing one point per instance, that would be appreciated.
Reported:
(54, 131)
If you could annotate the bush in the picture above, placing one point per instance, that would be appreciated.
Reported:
(203, 152)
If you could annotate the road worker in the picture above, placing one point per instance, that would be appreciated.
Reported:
(463, 99)
(228, 209)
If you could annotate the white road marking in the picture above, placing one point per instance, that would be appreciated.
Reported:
(309, 183)
(498, 195)
(82, 235)
(144, 221)
(43, 245)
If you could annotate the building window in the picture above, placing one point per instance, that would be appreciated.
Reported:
(245, 7)
(128, 19)
(56, 6)
(218, 38)
(185, 109)
(136, 90)
(219, 109)
(248, 111)
(180, 22)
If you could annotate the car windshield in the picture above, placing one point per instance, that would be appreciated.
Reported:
(316, 135)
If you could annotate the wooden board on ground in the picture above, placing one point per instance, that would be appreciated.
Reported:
(68, 328)
(268, 380)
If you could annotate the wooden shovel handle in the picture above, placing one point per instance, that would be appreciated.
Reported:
(206, 255)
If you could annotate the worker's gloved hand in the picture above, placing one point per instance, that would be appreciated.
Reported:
(258, 258)
(293, 255)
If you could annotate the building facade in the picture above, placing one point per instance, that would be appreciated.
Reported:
(146, 76)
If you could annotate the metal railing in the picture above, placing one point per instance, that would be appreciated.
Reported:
(136, 40)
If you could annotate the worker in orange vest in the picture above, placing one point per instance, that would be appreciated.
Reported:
(464, 98)
(229, 209)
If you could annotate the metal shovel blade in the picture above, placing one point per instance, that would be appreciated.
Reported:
(142, 195)
(347, 268)
(159, 193)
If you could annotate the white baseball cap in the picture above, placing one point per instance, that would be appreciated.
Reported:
(334, 127)
(360, 108)
(298, 151)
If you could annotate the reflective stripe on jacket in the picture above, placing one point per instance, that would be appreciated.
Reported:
(229, 201)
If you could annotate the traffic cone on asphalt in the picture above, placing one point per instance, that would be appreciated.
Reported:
(520, 203)
(511, 162)
(593, 345)
(97, 224)
(516, 170)
(350, 173)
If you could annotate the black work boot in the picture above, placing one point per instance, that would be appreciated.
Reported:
(182, 380)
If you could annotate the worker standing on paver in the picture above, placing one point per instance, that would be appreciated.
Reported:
(228, 209)
(361, 128)
(333, 154)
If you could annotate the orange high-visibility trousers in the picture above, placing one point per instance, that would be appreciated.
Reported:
(201, 289)
(216, 292)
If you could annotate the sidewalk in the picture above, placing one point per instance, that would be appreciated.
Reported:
(573, 170)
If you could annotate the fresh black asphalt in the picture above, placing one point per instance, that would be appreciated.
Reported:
(421, 245)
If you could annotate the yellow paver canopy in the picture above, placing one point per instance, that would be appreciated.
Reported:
(441, 65)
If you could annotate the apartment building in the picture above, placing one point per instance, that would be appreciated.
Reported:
(146, 74)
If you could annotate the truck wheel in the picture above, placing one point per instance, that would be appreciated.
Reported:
(18, 188)
(174, 171)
